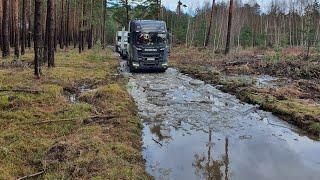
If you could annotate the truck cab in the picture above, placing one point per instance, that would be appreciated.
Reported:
(122, 43)
(148, 45)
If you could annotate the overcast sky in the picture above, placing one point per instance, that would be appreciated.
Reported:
(172, 4)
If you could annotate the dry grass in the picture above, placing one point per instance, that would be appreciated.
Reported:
(103, 148)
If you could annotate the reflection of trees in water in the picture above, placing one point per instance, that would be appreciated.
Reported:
(208, 167)
(156, 130)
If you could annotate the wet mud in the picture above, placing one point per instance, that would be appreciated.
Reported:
(192, 130)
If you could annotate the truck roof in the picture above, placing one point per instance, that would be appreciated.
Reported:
(148, 26)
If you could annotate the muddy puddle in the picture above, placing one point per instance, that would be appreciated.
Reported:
(72, 93)
(194, 131)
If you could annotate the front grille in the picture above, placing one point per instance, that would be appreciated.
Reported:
(145, 55)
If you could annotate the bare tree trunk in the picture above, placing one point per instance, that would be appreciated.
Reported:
(229, 28)
(210, 25)
(90, 36)
(61, 35)
(50, 32)
(104, 24)
(1, 13)
(81, 27)
(29, 23)
(16, 29)
(24, 27)
(5, 29)
(67, 33)
(37, 38)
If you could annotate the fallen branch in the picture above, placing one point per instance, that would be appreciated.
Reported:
(72, 119)
(31, 91)
(31, 175)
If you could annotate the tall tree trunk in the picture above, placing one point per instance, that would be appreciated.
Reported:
(29, 23)
(81, 27)
(104, 24)
(50, 32)
(61, 34)
(210, 25)
(67, 35)
(5, 29)
(1, 13)
(37, 38)
(229, 28)
(56, 25)
(16, 29)
(90, 36)
(24, 27)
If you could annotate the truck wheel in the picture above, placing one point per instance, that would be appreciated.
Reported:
(163, 70)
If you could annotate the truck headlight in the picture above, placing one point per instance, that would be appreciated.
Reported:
(135, 64)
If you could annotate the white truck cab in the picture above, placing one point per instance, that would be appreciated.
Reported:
(122, 43)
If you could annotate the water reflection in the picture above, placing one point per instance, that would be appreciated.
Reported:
(210, 168)
(185, 132)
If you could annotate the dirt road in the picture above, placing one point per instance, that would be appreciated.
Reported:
(194, 131)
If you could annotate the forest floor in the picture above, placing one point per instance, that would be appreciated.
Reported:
(77, 121)
(279, 81)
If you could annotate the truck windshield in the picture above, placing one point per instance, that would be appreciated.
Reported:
(151, 38)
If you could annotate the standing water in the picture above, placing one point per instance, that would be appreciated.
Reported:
(194, 131)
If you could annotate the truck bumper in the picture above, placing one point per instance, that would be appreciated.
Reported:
(149, 65)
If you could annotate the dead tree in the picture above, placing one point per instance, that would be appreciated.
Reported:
(229, 28)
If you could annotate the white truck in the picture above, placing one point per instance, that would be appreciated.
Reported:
(122, 43)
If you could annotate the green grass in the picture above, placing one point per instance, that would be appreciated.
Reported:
(108, 150)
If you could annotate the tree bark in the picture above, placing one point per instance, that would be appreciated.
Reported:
(50, 32)
(5, 30)
(210, 25)
(61, 34)
(1, 13)
(104, 24)
(229, 28)
(29, 23)
(16, 29)
(37, 38)
(24, 27)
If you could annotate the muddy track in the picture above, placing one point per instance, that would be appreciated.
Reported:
(194, 131)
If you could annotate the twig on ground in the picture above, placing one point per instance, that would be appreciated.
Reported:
(31, 175)
(31, 91)
(72, 119)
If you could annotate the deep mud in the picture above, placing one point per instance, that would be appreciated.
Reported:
(194, 131)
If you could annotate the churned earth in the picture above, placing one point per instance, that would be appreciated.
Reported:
(192, 130)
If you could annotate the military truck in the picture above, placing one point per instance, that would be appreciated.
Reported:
(122, 43)
(148, 45)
